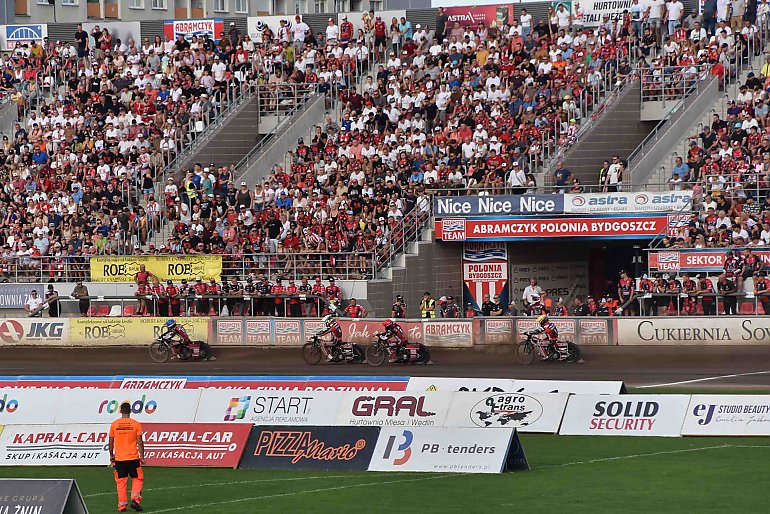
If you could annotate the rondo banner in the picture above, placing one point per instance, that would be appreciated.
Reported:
(171, 267)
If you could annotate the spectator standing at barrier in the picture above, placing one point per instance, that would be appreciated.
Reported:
(80, 293)
(706, 292)
(249, 292)
(398, 309)
(354, 310)
(52, 299)
(511, 309)
(530, 292)
(142, 276)
(201, 303)
(279, 307)
(428, 306)
(34, 304)
(265, 289)
(726, 289)
(470, 312)
(762, 291)
(294, 306)
(126, 447)
(626, 291)
(142, 293)
(159, 299)
(333, 292)
(232, 290)
(646, 287)
(451, 309)
(559, 309)
(172, 293)
(580, 309)
(320, 290)
(486, 306)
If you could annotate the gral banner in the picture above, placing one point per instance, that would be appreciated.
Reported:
(129, 331)
(485, 272)
(471, 16)
(210, 27)
(728, 415)
(171, 267)
(54, 445)
(213, 445)
(697, 260)
(388, 409)
(327, 448)
(637, 415)
(628, 226)
(443, 450)
(607, 203)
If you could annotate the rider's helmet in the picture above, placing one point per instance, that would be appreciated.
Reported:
(170, 323)
(328, 320)
(535, 298)
(387, 324)
(542, 319)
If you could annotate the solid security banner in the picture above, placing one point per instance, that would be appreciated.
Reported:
(172, 267)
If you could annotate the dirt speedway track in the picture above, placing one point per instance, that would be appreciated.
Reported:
(686, 366)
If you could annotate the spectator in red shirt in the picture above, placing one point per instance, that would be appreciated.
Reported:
(354, 310)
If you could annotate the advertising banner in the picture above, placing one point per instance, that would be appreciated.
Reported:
(129, 331)
(16, 35)
(271, 447)
(15, 296)
(485, 272)
(515, 229)
(389, 409)
(503, 385)
(214, 445)
(594, 10)
(28, 406)
(696, 260)
(606, 203)
(40, 496)
(475, 385)
(471, 16)
(442, 450)
(496, 331)
(448, 334)
(210, 27)
(34, 331)
(453, 206)
(103, 406)
(566, 327)
(260, 407)
(524, 412)
(172, 267)
(694, 330)
(728, 415)
(54, 445)
(637, 415)
(563, 279)
(362, 331)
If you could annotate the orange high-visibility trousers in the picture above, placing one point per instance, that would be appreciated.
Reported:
(136, 488)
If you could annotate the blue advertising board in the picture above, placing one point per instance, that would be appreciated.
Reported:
(488, 205)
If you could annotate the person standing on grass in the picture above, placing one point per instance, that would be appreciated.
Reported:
(126, 447)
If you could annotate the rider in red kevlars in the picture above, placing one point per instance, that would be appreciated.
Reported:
(547, 326)
(332, 327)
(392, 330)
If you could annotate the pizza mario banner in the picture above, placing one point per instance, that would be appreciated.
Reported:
(515, 229)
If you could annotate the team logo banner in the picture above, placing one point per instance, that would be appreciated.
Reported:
(16, 35)
(637, 415)
(728, 415)
(264, 407)
(194, 445)
(697, 260)
(172, 267)
(54, 445)
(210, 27)
(485, 272)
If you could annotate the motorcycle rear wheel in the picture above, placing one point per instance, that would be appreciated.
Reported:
(185, 353)
(204, 352)
(159, 351)
(376, 354)
(311, 352)
(525, 352)
(573, 353)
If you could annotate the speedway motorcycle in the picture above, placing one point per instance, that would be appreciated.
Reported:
(315, 349)
(164, 347)
(380, 350)
(534, 346)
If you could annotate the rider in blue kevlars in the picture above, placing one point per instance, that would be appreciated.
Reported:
(174, 330)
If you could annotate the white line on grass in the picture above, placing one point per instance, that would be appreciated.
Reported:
(639, 455)
(294, 493)
(212, 484)
(706, 379)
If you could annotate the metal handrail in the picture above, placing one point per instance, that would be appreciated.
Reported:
(405, 232)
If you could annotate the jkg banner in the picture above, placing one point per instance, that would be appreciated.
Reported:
(172, 267)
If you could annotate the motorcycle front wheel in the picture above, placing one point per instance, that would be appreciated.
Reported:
(525, 352)
(376, 354)
(311, 352)
(573, 353)
(159, 351)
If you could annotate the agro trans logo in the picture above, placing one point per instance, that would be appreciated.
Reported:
(140, 406)
(506, 410)
(237, 408)
(403, 452)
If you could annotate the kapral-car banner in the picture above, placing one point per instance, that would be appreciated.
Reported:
(194, 444)
(171, 267)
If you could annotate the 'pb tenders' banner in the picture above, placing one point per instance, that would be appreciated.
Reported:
(121, 331)
(172, 267)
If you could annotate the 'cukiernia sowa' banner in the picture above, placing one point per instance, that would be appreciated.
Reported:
(171, 267)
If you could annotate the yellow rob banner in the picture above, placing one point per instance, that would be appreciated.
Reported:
(172, 267)
(130, 331)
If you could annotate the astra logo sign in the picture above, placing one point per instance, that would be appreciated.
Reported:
(390, 406)
(140, 406)
(404, 448)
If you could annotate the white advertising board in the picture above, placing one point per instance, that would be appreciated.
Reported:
(728, 414)
(28, 406)
(447, 384)
(694, 330)
(526, 413)
(448, 450)
(636, 415)
(149, 405)
(54, 445)
(259, 407)
(569, 386)
(504, 385)
(394, 409)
